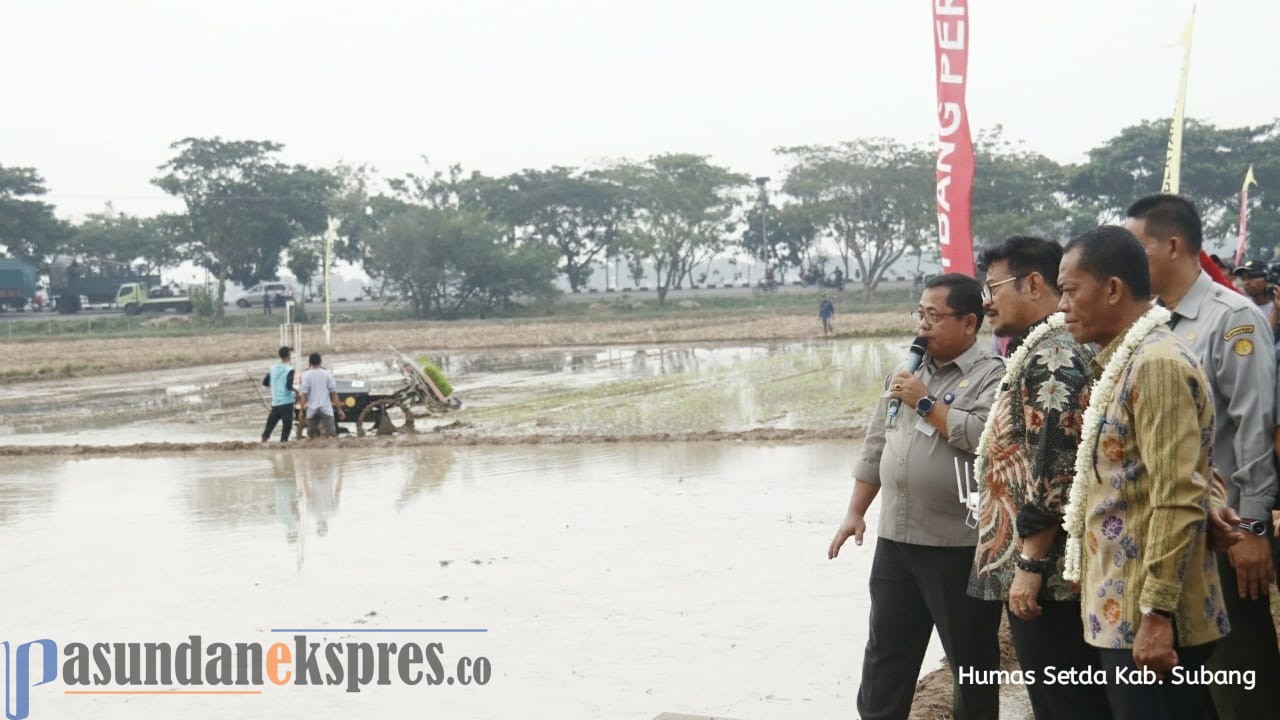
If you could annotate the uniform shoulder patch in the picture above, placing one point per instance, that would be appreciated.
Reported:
(1237, 330)
(1243, 347)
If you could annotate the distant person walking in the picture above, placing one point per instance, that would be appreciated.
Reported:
(266, 302)
(320, 396)
(826, 310)
(280, 379)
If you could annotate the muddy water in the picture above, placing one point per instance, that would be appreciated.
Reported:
(618, 390)
(614, 581)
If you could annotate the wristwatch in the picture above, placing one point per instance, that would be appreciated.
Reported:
(924, 405)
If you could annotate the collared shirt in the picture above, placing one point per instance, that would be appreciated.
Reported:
(915, 465)
(317, 384)
(1030, 462)
(1146, 503)
(1232, 338)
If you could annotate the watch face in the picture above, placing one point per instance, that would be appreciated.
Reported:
(924, 406)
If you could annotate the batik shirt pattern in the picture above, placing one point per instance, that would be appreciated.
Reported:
(1147, 501)
(1030, 463)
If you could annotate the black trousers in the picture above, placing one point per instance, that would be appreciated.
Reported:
(1157, 701)
(283, 414)
(1056, 640)
(1251, 645)
(915, 588)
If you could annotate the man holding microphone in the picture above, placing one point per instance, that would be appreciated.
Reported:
(920, 570)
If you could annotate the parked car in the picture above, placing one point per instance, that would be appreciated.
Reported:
(280, 294)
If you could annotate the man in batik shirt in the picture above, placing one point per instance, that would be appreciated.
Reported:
(1150, 593)
(1026, 468)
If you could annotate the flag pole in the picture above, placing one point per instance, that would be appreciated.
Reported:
(1244, 214)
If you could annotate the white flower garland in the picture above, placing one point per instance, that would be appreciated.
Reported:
(1013, 369)
(1104, 390)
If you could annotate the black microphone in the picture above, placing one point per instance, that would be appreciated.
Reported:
(914, 356)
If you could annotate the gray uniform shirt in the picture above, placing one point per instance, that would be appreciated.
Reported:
(915, 465)
(1232, 338)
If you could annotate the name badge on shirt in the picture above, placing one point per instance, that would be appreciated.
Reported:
(924, 427)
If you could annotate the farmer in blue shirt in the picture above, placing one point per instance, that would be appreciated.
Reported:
(280, 379)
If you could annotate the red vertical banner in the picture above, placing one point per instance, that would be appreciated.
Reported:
(955, 147)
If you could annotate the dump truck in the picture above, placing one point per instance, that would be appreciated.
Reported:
(98, 281)
(17, 284)
(135, 298)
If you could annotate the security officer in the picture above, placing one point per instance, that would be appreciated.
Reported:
(1233, 341)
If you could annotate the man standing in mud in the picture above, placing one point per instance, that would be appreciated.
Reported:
(320, 396)
(925, 548)
(1026, 461)
(1231, 337)
(280, 379)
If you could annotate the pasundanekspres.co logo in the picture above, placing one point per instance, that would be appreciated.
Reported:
(194, 667)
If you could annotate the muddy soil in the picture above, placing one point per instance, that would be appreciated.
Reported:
(808, 390)
(88, 356)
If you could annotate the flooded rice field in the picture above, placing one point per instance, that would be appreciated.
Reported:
(616, 391)
(613, 581)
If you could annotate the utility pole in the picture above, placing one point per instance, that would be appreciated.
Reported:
(764, 227)
(329, 237)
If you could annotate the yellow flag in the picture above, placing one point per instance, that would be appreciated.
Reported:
(1248, 180)
(1173, 156)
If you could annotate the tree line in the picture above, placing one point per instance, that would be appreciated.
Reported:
(452, 241)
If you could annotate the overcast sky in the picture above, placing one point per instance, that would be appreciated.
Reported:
(94, 92)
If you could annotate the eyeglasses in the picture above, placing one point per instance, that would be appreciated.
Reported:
(933, 316)
(989, 288)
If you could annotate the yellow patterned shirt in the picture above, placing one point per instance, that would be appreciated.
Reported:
(1146, 503)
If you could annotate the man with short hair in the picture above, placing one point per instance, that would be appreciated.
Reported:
(1140, 501)
(320, 396)
(1026, 470)
(280, 379)
(925, 546)
(1231, 338)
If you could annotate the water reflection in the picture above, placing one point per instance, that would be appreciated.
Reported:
(616, 580)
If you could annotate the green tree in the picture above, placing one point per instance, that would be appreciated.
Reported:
(28, 228)
(873, 198)
(786, 240)
(683, 213)
(128, 240)
(1020, 192)
(578, 214)
(304, 259)
(243, 205)
(1214, 161)
(351, 203)
(449, 260)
